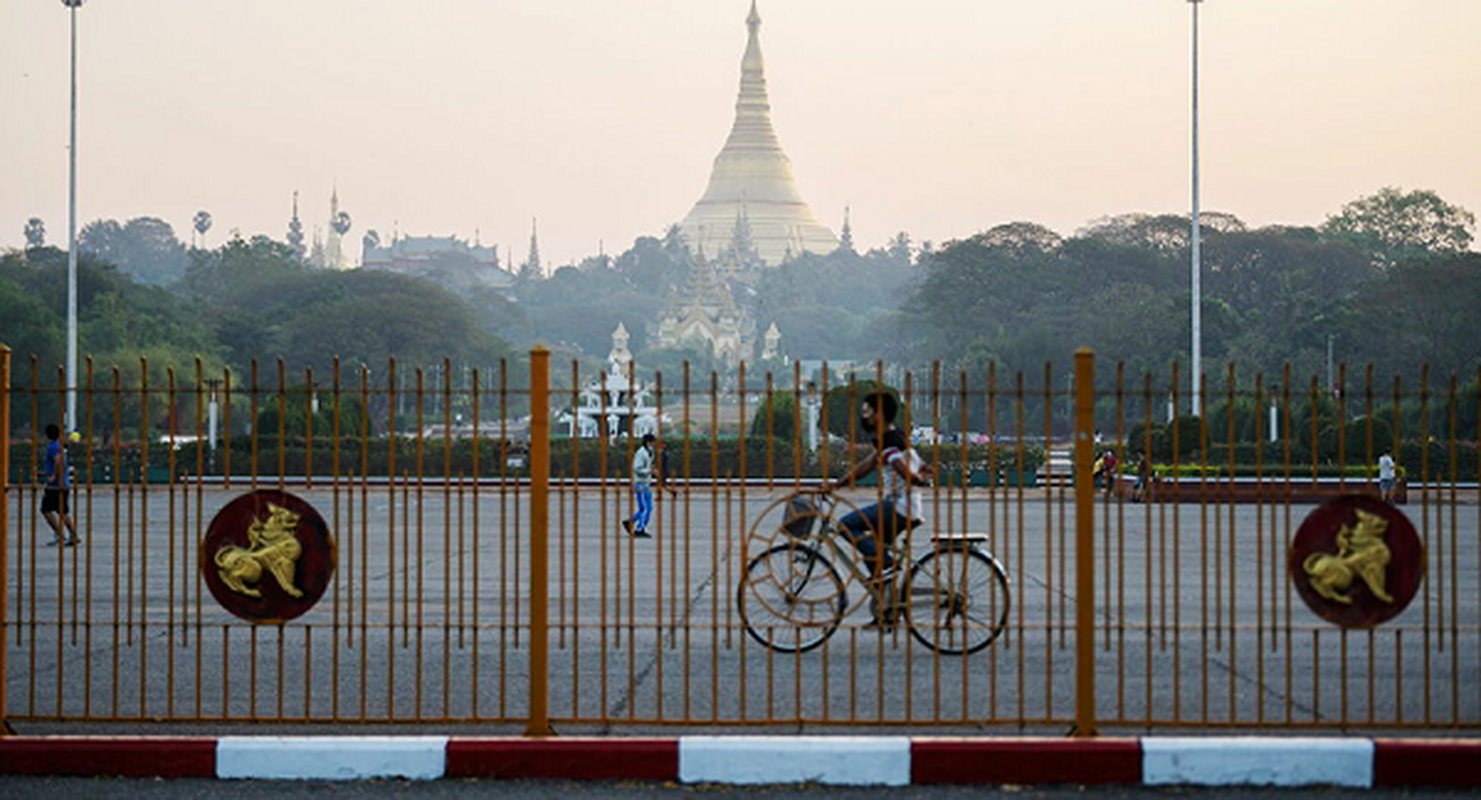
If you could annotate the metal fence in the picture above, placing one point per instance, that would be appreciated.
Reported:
(483, 573)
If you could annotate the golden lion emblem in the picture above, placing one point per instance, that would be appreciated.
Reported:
(1361, 553)
(271, 545)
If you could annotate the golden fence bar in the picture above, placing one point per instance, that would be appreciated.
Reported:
(1084, 442)
(539, 700)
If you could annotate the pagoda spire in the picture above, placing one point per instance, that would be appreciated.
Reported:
(295, 230)
(333, 257)
(532, 267)
(752, 175)
(846, 235)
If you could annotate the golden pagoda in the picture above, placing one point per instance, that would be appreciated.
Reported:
(751, 187)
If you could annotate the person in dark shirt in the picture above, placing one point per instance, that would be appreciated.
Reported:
(54, 493)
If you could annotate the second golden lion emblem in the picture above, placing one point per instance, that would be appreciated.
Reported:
(1356, 561)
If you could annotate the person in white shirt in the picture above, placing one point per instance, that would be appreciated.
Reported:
(1386, 474)
(647, 469)
(873, 529)
(902, 471)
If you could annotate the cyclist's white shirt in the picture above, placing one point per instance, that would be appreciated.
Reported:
(896, 488)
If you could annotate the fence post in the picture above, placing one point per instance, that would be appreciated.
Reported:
(1084, 543)
(4, 532)
(539, 722)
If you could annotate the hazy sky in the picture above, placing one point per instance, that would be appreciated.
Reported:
(601, 117)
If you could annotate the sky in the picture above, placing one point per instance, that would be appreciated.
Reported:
(600, 118)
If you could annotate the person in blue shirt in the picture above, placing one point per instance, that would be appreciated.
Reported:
(54, 494)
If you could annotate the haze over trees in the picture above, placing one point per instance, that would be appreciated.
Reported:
(145, 248)
(1389, 279)
(245, 300)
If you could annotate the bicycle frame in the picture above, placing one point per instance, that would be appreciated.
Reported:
(901, 550)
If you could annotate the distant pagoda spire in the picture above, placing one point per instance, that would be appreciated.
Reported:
(742, 249)
(339, 225)
(295, 230)
(752, 175)
(846, 235)
(531, 268)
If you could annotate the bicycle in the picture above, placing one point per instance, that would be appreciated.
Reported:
(953, 598)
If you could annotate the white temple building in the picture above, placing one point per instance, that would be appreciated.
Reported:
(616, 401)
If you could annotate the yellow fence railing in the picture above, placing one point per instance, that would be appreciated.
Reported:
(437, 544)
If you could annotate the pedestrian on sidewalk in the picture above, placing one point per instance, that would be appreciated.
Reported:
(647, 469)
(54, 505)
(1387, 472)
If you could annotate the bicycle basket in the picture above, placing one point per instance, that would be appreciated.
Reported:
(801, 517)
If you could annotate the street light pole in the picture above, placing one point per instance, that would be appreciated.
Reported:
(1196, 267)
(1331, 384)
(70, 421)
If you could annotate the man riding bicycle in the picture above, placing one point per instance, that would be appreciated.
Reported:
(901, 470)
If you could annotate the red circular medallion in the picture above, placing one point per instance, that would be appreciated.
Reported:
(268, 556)
(1356, 561)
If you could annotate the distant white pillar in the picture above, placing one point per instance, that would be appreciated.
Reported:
(1274, 424)
(211, 421)
(70, 421)
(812, 419)
(1197, 266)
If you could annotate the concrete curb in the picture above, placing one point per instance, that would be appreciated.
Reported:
(847, 760)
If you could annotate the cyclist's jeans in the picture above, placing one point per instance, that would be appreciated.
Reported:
(859, 526)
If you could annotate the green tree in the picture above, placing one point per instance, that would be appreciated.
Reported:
(28, 327)
(295, 404)
(35, 233)
(241, 272)
(1423, 312)
(1394, 225)
(778, 416)
(144, 247)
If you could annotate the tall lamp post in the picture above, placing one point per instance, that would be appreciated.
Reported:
(1196, 266)
(71, 419)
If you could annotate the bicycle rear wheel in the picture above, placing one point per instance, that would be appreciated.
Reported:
(957, 600)
(791, 599)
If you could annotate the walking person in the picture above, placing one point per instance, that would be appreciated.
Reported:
(646, 470)
(1387, 471)
(1108, 472)
(1143, 474)
(54, 494)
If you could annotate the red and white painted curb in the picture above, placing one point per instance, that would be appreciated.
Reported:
(845, 760)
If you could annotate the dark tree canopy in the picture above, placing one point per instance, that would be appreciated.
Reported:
(144, 247)
(1394, 225)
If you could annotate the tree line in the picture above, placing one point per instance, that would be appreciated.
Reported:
(1389, 280)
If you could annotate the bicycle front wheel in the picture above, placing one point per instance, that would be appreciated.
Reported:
(791, 599)
(957, 600)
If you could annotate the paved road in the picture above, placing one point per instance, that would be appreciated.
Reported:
(426, 621)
